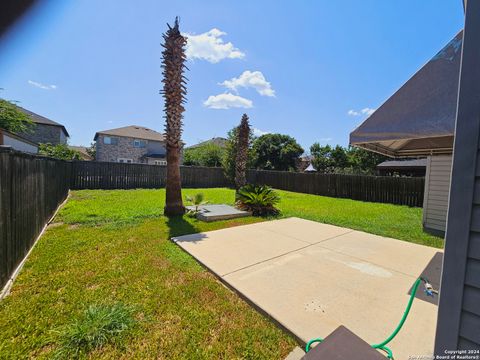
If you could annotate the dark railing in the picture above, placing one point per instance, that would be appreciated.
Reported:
(32, 188)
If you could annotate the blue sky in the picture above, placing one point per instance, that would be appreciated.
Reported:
(95, 65)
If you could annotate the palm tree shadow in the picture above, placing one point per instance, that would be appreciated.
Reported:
(178, 226)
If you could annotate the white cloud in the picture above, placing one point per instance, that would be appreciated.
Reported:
(368, 111)
(227, 101)
(258, 132)
(42, 86)
(365, 111)
(250, 79)
(211, 47)
(325, 140)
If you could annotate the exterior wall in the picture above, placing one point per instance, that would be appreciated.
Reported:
(124, 149)
(153, 161)
(19, 145)
(458, 325)
(437, 187)
(46, 134)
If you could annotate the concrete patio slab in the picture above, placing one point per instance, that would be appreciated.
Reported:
(402, 256)
(320, 277)
(218, 212)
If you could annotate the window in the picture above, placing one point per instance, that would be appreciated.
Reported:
(110, 140)
(139, 143)
(160, 162)
(123, 160)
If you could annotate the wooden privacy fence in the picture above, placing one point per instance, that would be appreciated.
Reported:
(393, 190)
(99, 175)
(31, 189)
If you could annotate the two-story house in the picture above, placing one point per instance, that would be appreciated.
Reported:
(44, 130)
(131, 144)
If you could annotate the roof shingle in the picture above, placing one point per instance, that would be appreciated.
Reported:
(133, 131)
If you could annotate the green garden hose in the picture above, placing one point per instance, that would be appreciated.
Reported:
(382, 346)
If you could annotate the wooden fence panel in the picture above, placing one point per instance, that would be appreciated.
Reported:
(31, 189)
(104, 175)
(394, 190)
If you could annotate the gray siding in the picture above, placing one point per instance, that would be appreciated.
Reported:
(19, 145)
(458, 325)
(437, 186)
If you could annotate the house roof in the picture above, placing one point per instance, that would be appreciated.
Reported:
(419, 119)
(39, 119)
(403, 164)
(82, 150)
(220, 141)
(133, 131)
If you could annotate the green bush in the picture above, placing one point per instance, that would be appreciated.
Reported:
(259, 199)
(59, 151)
(99, 325)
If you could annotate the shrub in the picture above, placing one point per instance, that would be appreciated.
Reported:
(259, 199)
(197, 201)
(59, 151)
(99, 325)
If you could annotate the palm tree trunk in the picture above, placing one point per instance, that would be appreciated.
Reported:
(174, 91)
(173, 188)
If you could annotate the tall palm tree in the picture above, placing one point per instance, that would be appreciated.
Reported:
(174, 91)
(243, 136)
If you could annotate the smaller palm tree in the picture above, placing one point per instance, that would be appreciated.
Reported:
(196, 200)
(243, 137)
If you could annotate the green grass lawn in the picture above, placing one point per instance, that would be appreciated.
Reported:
(111, 247)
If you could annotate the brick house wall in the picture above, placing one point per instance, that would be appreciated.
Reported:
(42, 133)
(124, 149)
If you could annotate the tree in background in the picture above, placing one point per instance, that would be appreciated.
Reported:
(276, 152)
(60, 151)
(363, 160)
(230, 154)
(243, 139)
(351, 160)
(174, 91)
(92, 150)
(208, 154)
(13, 119)
(322, 158)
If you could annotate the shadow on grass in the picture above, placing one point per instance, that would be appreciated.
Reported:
(179, 225)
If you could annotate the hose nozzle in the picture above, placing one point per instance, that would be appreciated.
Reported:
(429, 290)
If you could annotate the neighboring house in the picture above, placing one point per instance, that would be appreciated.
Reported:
(222, 142)
(310, 168)
(17, 142)
(414, 168)
(82, 150)
(45, 130)
(419, 120)
(131, 144)
(303, 163)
